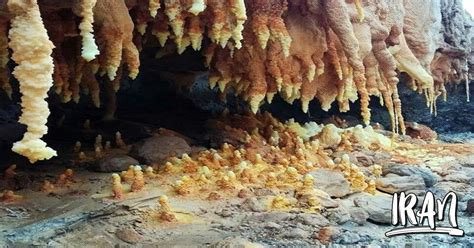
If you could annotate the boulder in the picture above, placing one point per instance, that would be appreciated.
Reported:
(129, 235)
(157, 149)
(428, 176)
(331, 182)
(378, 207)
(400, 183)
(115, 163)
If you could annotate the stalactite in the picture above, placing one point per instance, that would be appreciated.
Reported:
(89, 48)
(32, 51)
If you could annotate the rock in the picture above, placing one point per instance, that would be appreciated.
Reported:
(235, 242)
(358, 215)
(20, 181)
(95, 241)
(458, 177)
(129, 235)
(331, 182)
(253, 204)
(326, 234)
(442, 188)
(363, 158)
(428, 176)
(339, 215)
(225, 213)
(348, 238)
(313, 220)
(295, 233)
(324, 199)
(264, 191)
(467, 161)
(158, 148)
(401, 183)
(272, 225)
(378, 207)
(418, 244)
(470, 207)
(272, 216)
(420, 131)
(115, 163)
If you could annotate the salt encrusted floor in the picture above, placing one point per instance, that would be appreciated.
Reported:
(83, 214)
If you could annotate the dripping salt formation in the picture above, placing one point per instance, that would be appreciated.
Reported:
(32, 52)
(333, 51)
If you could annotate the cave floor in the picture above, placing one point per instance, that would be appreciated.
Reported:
(84, 214)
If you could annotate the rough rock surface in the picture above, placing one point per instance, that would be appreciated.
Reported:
(428, 176)
(395, 184)
(115, 163)
(331, 182)
(156, 149)
(378, 207)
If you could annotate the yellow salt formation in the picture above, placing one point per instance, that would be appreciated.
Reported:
(117, 188)
(165, 213)
(98, 152)
(330, 136)
(358, 182)
(128, 175)
(107, 146)
(291, 175)
(183, 185)
(153, 7)
(77, 147)
(63, 180)
(282, 203)
(10, 196)
(89, 48)
(271, 180)
(32, 50)
(47, 187)
(98, 142)
(138, 179)
(307, 195)
(82, 156)
(69, 175)
(367, 137)
(371, 187)
(197, 7)
(149, 172)
(308, 182)
(188, 164)
(376, 170)
(228, 181)
(313, 203)
(119, 141)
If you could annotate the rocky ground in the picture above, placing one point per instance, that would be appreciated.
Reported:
(82, 213)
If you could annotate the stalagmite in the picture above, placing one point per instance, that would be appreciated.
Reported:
(32, 52)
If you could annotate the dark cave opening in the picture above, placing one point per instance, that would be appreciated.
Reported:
(172, 92)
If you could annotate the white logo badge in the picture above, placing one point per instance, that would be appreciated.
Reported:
(432, 210)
